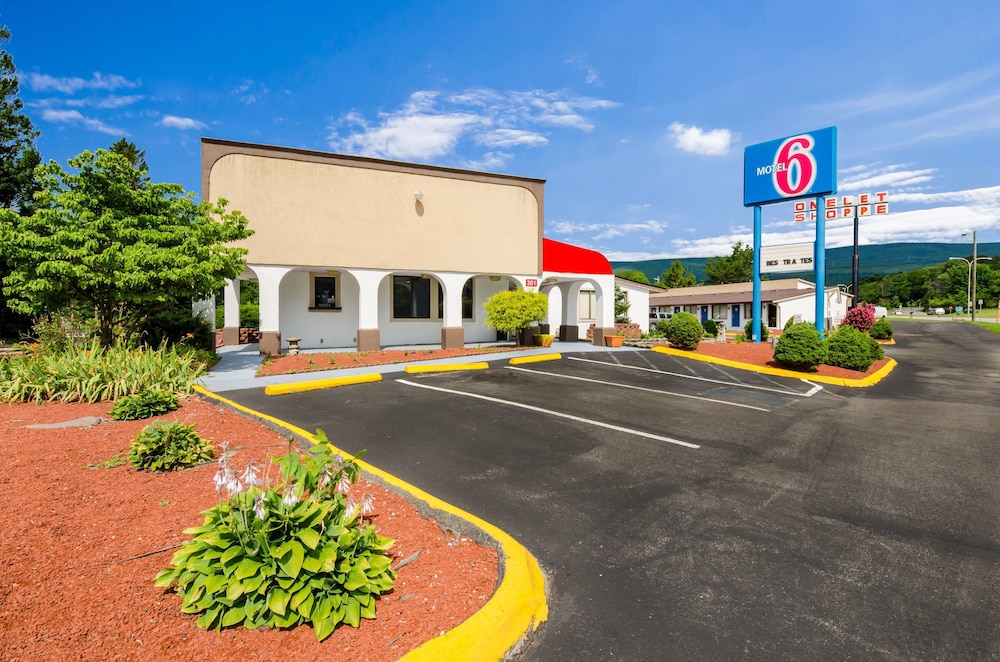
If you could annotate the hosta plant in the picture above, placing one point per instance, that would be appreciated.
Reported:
(144, 405)
(165, 446)
(298, 551)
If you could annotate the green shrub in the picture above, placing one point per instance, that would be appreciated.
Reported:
(282, 555)
(881, 329)
(748, 330)
(683, 330)
(165, 446)
(144, 405)
(851, 349)
(661, 327)
(177, 324)
(96, 374)
(800, 347)
(711, 328)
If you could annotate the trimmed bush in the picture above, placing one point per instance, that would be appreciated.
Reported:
(711, 328)
(748, 331)
(684, 331)
(851, 349)
(144, 405)
(862, 317)
(168, 446)
(881, 329)
(800, 347)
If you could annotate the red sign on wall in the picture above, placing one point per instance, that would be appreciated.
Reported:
(531, 282)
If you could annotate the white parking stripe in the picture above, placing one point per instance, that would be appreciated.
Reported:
(807, 394)
(600, 424)
(638, 388)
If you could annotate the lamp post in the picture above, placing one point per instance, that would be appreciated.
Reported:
(970, 290)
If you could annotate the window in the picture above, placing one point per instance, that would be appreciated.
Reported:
(411, 297)
(587, 306)
(467, 300)
(324, 295)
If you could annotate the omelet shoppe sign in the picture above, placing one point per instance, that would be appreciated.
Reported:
(786, 169)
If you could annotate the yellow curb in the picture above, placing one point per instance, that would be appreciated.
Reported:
(535, 359)
(870, 380)
(890, 341)
(517, 607)
(300, 387)
(446, 367)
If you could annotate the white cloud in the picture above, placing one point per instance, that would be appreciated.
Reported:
(43, 82)
(886, 177)
(76, 117)
(621, 229)
(431, 125)
(183, 123)
(112, 101)
(698, 141)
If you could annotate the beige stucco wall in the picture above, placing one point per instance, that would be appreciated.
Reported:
(308, 212)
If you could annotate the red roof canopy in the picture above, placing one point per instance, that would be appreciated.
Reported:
(558, 257)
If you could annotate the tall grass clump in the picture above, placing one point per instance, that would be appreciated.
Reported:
(96, 374)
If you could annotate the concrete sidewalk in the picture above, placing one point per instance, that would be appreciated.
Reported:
(238, 364)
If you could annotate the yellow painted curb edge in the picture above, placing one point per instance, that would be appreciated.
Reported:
(301, 387)
(870, 380)
(517, 607)
(446, 367)
(535, 359)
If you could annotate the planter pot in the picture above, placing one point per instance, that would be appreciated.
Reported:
(543, 339)
(613, 341)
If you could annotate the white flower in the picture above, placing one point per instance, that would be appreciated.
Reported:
(289, 499)
(352, 511)
(258, 506)
(232, 482)
(367, 505)
(344, 484)
(251, 477)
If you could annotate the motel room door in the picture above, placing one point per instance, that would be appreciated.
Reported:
(736, 315)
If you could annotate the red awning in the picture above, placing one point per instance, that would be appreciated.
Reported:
(558, 257)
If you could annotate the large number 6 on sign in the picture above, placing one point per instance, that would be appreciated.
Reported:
(794, 166)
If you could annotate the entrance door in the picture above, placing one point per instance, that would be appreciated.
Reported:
(736, 316)
(704, 314)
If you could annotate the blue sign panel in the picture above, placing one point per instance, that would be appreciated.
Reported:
(794, 167)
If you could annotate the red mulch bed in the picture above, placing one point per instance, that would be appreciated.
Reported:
(71, 524)
(315, 361)
(761, 354)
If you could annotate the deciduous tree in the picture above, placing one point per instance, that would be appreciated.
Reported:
(106, 237)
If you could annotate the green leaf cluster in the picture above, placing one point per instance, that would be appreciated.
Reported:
(678, 276)
(96, 374)
(683, 330)
(734, 268)
(852, 349)
(511, 311)
(144, 405)
(800, 347)
(280, 556)
(748, 331)
(165, 446)
(881, 329)
(711, 327)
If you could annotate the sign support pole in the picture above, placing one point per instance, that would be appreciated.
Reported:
(819, 261)
(854, 272)
(757, 223)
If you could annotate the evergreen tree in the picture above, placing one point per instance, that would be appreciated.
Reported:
(18, 158)
(735, 268)
(678, 276)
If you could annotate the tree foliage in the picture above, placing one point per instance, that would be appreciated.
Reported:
(621, 306)
(18, 158)
(684, 331)
(678, 276)
(512, 311)
(104, 236)
(800, 347)
(633, 275)
(734, 268)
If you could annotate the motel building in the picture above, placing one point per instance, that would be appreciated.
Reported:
(364, 253)
(732, 304)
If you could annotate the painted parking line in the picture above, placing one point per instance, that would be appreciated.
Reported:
(815, 388)
(638, 388)
(550, 412)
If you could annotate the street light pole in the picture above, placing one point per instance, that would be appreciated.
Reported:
(970, 288)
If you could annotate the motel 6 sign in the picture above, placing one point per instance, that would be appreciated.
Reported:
(798, 166)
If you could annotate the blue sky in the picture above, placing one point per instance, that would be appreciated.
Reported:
(636, 113)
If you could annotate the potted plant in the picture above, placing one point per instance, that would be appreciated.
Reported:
(544, 339)
(613, 340)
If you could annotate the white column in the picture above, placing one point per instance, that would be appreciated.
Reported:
(269, 279)
(368, 284)
(231, 301)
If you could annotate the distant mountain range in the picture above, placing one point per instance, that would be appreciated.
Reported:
(882, 259)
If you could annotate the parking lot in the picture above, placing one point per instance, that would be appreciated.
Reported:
(684, 510)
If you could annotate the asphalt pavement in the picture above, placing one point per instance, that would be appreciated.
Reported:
(690, 511)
